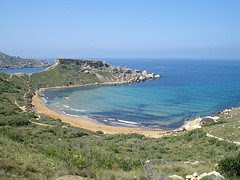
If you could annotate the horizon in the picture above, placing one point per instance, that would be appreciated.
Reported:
(126, 30)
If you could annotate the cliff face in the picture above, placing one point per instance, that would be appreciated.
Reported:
(12, 62)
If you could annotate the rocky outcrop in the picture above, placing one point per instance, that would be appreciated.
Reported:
(106, 72)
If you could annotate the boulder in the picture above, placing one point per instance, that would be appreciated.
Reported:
(142, 78)
(144, 73)
(127, 70)
(176, 177)
(214, 175)
(137, 71)
(86, 71)
(151, 76)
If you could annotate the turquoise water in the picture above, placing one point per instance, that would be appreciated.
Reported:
(188, 89)
(23, 70)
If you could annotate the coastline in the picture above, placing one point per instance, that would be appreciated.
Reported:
(86, 123)
(89, 124)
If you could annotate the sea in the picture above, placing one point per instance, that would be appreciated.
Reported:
(187, 89)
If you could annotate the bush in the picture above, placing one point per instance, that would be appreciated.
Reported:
(16, 120)
(231, 165)
(194, 135)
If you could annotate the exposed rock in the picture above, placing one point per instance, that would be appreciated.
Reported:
(214, 175)
(86, 71)
(72, 177)
(106, 72)
(144, 73)
(150, 75)
(176, 177)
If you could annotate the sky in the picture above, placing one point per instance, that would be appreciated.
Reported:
(190, 29)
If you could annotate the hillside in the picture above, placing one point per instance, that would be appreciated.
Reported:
(12, 62)
(35, 146)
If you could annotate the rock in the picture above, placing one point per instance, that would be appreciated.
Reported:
(137, 71)
(150, 75)
(142, 78)
(189, 177)
(71, 177)
(86, 71)
(176, 177)
(144, 73)
(195, 174)
(127, 70)
(214, 174)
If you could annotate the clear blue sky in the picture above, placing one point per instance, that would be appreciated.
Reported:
(121, 28)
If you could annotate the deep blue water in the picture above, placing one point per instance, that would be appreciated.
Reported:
(22, 70)
(188, 88)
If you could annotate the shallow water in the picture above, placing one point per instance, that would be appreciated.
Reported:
(189, 88)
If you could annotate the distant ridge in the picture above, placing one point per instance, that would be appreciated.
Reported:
(13, 62)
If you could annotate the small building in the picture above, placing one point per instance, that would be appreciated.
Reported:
(206, 120)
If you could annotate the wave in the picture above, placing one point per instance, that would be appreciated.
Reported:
(123, 123)
(66, 97)
(127, 122)
(69, 114)
(45, 99)
(78, 110)
(66, 106)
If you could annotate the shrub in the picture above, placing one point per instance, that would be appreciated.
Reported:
(195, 134)
(16, 120)
(231, 165)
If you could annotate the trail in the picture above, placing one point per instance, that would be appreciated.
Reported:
(41, 124)
(23, 108)
(221, 139)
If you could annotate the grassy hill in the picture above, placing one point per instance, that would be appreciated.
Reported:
(35, 146)
(7, 61)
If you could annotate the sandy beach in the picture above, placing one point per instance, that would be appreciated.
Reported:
(88, 124)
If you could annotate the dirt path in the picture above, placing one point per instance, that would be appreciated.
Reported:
(23, 108)
(221, 139)
(40, 124)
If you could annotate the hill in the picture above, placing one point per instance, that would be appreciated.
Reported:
(12, 62)
(35, 146)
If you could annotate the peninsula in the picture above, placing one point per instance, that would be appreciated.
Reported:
(13, 62)
(75, 72)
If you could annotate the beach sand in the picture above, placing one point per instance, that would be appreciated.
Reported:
(88, 124)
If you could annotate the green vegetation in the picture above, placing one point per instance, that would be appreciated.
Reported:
(61, 75)
(231, 165)
(227, 127)
(7, 61)
(42, 148)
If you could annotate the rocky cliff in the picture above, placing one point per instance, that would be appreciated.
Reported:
(119, 74)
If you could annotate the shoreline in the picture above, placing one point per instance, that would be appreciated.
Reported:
(87, 123)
